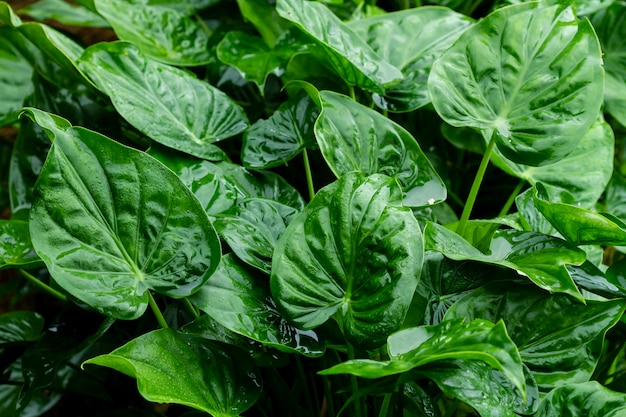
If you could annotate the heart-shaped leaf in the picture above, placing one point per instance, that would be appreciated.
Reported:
(96, 214)
(239, 299)
(410, 40)
(529, 74)
(589, 399)
(559, 339)
(170, 105)
(273, 142)
(166, 34)
(178, 368)
(541, 258)
(346, 53)
(353, 254)
(16, 249)
(353, 137)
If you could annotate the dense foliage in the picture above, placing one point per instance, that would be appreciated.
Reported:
(328, 208)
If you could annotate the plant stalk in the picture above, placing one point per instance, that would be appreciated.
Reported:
(354, 385)
(309, 175)
(43, 286)
(509, 203)
(478, 179)
(384, 408)
(190, 308)
(156, 311)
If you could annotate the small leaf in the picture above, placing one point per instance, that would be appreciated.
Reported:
(20, 326)
(353, 137)
(541, 258)
(16, 249)
(177, 368)
(589, 399)
(275, 141)
(529, 74)
(239, 299)
(559, 339)
(106, 219)
(346, 53)
(410, 40)
(171, 106)
(352, 254)
(166, 34)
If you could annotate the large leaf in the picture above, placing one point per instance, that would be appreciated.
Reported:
(16, 72)
(410, 40)
(589, 399)
(178, 368)
(610, 24)
(164, 33)
(103, 210)
(252, 229)
(239, 299)
(66, 13)
(16, 249)
(170, 105)
(272, 142)
(541, 258)
(450, 339)
(559, 339)
(353, 137)
(346, 53)
(578, 225)
(530, 74)
(351, 254)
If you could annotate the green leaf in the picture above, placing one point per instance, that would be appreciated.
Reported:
(16, 72)
(529, 74)
(450, 339)
(353, 137)
(240, 300)
(410, 40)
(20, 326)
(278, 139)
(116, 212)
(352, 254)
(262, 14)
(589, 399)
(584, 173)
(541, 258)
(252, 229)
(168, 104)
(609, 285)
(578, 225)
(63, 12)
(346, 53)
(177, 368)
(166, 34)
(16, 249)
(615, 196)
(610, 24)
(560, 340)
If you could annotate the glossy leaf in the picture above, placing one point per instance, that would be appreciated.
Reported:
(63, 12)
(581, 226)
(610, 24)
(239, 299)
(171, 106)
(265, 19)
(591, 278)
(106, 219)
(410, 40)
(559, 339)
(220, 186)
(281, 137)
(588, 399)
(541, 258)
(16, 249)
(484, 388)
(450, 339)
(530, 74)
(353, 137)
(615, 196)
(252, 229)
(20, 326)
(177, 368)
(584, 173)
(16, 72)
(163, 33)
(346, 53)
(352, 254)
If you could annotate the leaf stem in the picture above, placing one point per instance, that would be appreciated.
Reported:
(352, 92)
(478, 179)
(309, 174)
(384, 408)
(354, 385)
(43, 286)
(190, 307)
(509, 203)
(305, 383)
(156, 311)
(202, 24)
